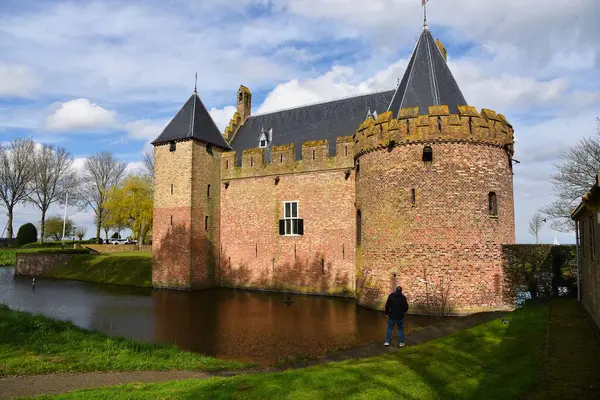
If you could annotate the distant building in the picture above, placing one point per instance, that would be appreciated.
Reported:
(587, 219)
(349, 197)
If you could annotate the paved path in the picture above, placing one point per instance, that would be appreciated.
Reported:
(23, 386)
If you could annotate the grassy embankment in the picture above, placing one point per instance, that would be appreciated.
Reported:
(130, 269)
(491, 361)
(33, 344)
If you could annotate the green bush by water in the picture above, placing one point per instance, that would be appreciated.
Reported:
(27, 234)
(33, 344)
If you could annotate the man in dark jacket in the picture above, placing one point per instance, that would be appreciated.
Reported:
(395, 308)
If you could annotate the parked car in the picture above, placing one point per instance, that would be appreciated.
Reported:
(118, 241)
(131, 241)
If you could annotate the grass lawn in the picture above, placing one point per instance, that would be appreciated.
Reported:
(491, 361)
(9, 256)
(33, 344)
(130, 269)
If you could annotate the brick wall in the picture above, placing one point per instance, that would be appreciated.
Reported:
(183, 250)
(590, 259)
(38, 264)
(253, 253)
(119, 248)
(446, 235)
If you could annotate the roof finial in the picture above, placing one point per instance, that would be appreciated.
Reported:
(424, 3)
(196, 84)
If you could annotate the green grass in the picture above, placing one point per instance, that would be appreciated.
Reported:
(33, 344)
(9, 256)
(490, 361)
(130, 269)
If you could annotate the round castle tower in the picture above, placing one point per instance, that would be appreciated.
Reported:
(434, 195)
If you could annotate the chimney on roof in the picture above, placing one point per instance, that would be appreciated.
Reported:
(442, 48)
(244, 103)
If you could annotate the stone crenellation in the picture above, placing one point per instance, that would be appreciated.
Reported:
(315, 157)
(468, 126)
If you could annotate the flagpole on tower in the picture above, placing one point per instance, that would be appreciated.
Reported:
(424, 2)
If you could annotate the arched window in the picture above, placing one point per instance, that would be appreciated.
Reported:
(262, 141)
(427, 154)
(492, 204)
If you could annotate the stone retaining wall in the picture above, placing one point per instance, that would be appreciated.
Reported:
(39, 264)
(116, 248)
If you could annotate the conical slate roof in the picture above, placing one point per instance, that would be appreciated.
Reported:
(193, 121)
(427, 80)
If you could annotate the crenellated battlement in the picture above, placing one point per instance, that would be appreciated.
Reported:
(315, 157)
(468, 126)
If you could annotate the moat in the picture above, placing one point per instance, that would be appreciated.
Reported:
(233, 324)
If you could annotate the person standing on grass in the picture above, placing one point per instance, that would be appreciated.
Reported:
(395, 308)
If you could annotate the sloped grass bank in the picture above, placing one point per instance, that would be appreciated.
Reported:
(33, 344)
(129, 269)
(491, 361)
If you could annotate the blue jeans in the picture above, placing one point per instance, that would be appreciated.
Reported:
(391, 323)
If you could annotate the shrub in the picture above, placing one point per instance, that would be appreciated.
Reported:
(42, 245)
(27, 234)
(65, 251)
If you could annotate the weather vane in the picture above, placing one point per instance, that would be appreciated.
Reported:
(196, 83)
(424, 3)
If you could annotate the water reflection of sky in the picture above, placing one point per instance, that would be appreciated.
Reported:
(234, 324)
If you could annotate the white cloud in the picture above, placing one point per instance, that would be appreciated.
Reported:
(80, 114)
(135, 168)
(221, 116)
(17, 80)
(145, 129)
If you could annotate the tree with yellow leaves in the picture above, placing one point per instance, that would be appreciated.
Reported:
(131, 204)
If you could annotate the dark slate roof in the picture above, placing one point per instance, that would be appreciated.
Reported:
(312, 122)
(193, 121)
(427, 80)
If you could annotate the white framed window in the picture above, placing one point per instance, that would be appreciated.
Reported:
(290, 210)
(262, 142)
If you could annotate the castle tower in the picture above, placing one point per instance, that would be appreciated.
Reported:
(244, 103)
(186, 229)
(434, 194)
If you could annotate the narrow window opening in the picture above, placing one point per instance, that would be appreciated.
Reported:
(592, 238)
(408, 126)
(252, 161)
(209, 148)
(171, 220)
(171, 188)
(492, 204)
(358, 227)
(413, 196)
(281, 158)
(206, 223)
(357, 168)
(226, 164)
(439, 123)
(172, 146)
(208, 191)
(427, 154)
(470, 125)
(313, 154)
(346, 151)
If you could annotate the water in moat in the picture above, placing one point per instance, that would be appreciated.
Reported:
(233, 324)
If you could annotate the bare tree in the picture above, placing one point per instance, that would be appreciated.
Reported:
(576, 173)
(535, 226)
(148, 160)
(53, 178)
(16, 170)
(102, 171)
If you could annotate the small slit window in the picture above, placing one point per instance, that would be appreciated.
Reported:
(171, 220)
(209, 148)
(346, 151)
(226, 164)
(492, 204)
(413, 196)
(206, 223)
(171, 188)
(439, 123)
(281, 158)
(172, 146)
(208, 191)
(408, 126)
(358, 227)
(313, 154)
(427, 154)
(470, 125)
(251, 161)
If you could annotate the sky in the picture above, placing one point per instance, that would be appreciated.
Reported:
(110, 74)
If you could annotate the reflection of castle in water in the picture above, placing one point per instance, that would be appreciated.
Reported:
(263, 327)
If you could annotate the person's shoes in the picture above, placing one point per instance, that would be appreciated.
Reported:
(401, 344)
(386, 344)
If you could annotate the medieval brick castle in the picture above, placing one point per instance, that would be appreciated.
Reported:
(350, 197)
